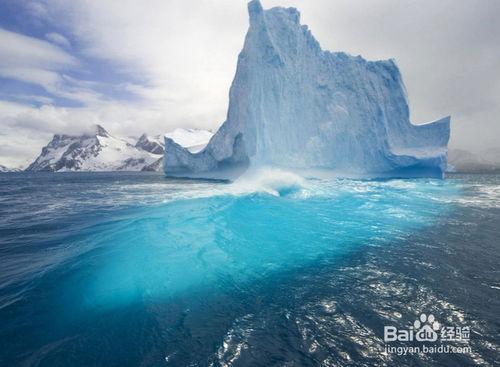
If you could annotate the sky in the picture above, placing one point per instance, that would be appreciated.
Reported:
(150, 66)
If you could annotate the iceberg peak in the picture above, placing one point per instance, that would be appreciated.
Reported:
(255, 8)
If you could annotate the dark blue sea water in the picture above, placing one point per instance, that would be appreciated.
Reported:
(121, 269)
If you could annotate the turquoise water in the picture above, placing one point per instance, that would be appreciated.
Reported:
(129, 269)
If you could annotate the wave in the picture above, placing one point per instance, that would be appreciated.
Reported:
(273, 181)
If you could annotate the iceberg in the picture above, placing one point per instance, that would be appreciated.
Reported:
(293, 105)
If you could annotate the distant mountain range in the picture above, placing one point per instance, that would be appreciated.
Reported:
(463, 161)
(7, 169)
(100, 151)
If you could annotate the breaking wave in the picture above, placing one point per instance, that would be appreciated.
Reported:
(273, 181)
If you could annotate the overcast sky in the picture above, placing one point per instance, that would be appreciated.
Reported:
(139, 66)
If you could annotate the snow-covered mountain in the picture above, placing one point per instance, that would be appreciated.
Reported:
(297, 106)
(97, 151)
(152, 144)
(7, 169)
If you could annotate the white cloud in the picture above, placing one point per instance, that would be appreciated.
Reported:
(179, 55)
(58, 39)
(35, 61)
(32, 75)
(37, 10)
(23, 51)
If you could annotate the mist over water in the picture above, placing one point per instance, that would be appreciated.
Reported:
(136, 269)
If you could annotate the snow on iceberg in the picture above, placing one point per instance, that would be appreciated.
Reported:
(294, 105)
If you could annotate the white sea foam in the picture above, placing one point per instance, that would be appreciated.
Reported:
(274, 181)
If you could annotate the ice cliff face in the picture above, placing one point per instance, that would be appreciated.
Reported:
(294, 105)
(98, 151)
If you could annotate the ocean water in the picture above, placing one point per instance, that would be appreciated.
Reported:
(123, 269)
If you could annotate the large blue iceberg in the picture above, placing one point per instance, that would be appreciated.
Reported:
(296, 106)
